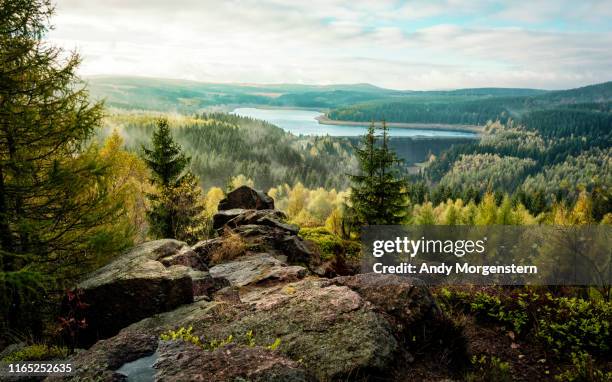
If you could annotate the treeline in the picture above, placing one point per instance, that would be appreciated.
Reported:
(477, 108)
(223, 145)
(511, 158)
(459, 110)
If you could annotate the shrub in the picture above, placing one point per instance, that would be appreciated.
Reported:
(575, 325)
(331, 245)
(489, 369)
(232, 247)
(584, 370)
(563, 324)
(37, 352)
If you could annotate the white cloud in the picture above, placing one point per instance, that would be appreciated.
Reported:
(387, 43)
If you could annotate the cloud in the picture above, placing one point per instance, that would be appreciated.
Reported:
(402, 45)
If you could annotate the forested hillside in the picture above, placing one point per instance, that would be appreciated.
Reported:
(222, 146)
(553, 164)
(475, 107)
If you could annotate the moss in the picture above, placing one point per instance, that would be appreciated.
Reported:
(37, 352)
(330, 244)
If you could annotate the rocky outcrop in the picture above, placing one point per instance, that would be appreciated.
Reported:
(331, 329)
(180, 361)
(151, 278)
(256, 270)
(326, 328)
(247, 198)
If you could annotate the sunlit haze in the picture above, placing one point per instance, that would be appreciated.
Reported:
(393, 44)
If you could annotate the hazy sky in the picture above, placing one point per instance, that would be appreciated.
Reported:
(423, 44)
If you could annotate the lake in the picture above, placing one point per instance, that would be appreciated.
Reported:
(303, 122)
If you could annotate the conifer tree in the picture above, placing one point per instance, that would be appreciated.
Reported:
(53, 195)
(177, 209)
(379, 192)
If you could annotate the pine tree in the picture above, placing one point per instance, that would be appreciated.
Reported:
(54, 200)
(177, 208)
(379, 192)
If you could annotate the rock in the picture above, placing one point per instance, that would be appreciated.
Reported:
(257, 269)
(134, 286)
(334, 332)
(187, 257)
(12, 348)
(99, 362)
(404, 298)
(223, 217)
(179, 361)
(246, 198)
(229, 294)
(205, 285)
(205, 248)
(274, 222)
(297, 250)
(237, 217)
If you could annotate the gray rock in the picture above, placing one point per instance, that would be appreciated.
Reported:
(134, 286)
(247, 198)
(180, 361)
(187, 257)
(330, 329)
(221, 218)
(205, 285)
(274, 222)
(257, 269)
(404, 298)
(205, 248)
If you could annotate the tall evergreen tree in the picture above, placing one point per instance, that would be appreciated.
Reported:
(379, 192)
(177, 209)
(53, 195)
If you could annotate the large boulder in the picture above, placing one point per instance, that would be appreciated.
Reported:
(134, 286)
(405, 299)
(257, 269)
(181, 361)
(330, 330)
(247, 198)
(238, 216)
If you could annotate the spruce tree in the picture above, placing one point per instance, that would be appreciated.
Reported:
(53, 195)
(177, 209)
(379, 192)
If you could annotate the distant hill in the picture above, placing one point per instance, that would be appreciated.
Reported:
(475, 106)
(592, 93)
(191, 96)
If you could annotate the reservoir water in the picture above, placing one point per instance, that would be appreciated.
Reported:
(303, 122)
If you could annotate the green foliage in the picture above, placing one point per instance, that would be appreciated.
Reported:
(489, 369)
(223, 146)
(378, 193)
(539, 165)
(186, 335)
(165, 159)
(37, 352)
(562, 324)
(575, 325)
(478, 106)
(274, 345)
(177, 209)
(331, 245)
(584, 370)
(485, 305)
(56, 204)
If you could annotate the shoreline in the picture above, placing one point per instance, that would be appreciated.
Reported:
(323, 120)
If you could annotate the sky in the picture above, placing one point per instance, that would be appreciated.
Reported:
(410, 45)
